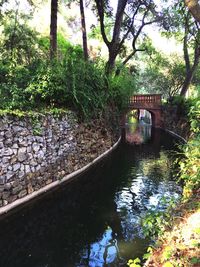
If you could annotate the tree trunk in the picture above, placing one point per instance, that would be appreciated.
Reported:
(110, 65)
(53, 29)
(84, 32)
(187, 82)
(194, 8)
(190, 71)
(190, 74)
(114, 46)
(117, 72)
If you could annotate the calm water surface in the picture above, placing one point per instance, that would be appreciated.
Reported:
(95, 220)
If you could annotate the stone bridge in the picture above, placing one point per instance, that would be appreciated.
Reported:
(151, 103)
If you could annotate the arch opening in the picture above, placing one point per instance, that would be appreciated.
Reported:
(137, 129)
(141, 116)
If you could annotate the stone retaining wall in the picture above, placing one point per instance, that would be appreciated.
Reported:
(35, 152)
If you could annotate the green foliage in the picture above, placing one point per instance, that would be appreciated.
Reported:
(182, 105)
(28, 80)
(190, 165)
(137, 262)
(69, 83)
(121, 88)
(162, 74)
(134, 263)
(154, 223)
(18, 41)
(195, 260)
(72, 83)
(168, 264)
(167, 253)
(195, 116)
(148, 254)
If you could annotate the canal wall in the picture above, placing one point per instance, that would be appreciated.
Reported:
(36, 151)
(179, 126)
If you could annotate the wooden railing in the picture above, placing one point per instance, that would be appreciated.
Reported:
(136, 99)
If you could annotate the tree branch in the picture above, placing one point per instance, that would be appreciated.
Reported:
(132, 54)
(194, 8)
(100, 9)
(118, 20)
(185, 46)
(130, 27)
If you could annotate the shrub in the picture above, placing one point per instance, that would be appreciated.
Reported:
(190, 165)
(68, 82)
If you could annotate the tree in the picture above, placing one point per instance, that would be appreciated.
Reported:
(80, 3)
(186, 30)
(194, 8)
(53, 28)
(83, 28)
(162, 74)
(191, 64)
(114, 44)
(18, 42)
(128, 23)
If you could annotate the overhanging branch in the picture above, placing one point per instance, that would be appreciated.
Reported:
(100, 10)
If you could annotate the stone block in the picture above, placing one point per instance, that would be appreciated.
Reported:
(23, 193)
(7, 152)
(30, 189)
(12, 198)
(27, 169)
(16, 189)
(8, 134)
(36, 147)
(22, 154)
(14, 183)
(16, 167)
(1, 145)
(1, 188)
(7, 186)
(12, 161)
(5, 195)
(17, 128)
(21, 174)
(5, 202)
(10, 175)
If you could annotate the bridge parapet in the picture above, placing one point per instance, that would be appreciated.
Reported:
(145, 101)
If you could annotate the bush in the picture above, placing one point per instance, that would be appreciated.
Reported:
(68, 82)
(121, 88)
(190, 165)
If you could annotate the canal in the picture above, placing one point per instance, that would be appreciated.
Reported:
(95, 220)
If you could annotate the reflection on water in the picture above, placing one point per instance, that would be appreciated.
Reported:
(138, 133)
(95, 220)
(103, 252)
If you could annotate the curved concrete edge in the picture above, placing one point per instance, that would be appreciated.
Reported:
(45, 189)
(176, 135)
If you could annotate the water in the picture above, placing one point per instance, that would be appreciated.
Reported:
(95, 220)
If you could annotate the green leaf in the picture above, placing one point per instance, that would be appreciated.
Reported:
(195, 260)
(168, 264)
(137, 260)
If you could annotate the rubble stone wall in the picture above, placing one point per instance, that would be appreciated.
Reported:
(36, 151)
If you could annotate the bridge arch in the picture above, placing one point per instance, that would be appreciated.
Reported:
(151, 103)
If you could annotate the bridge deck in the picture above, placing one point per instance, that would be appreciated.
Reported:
(145, 101)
